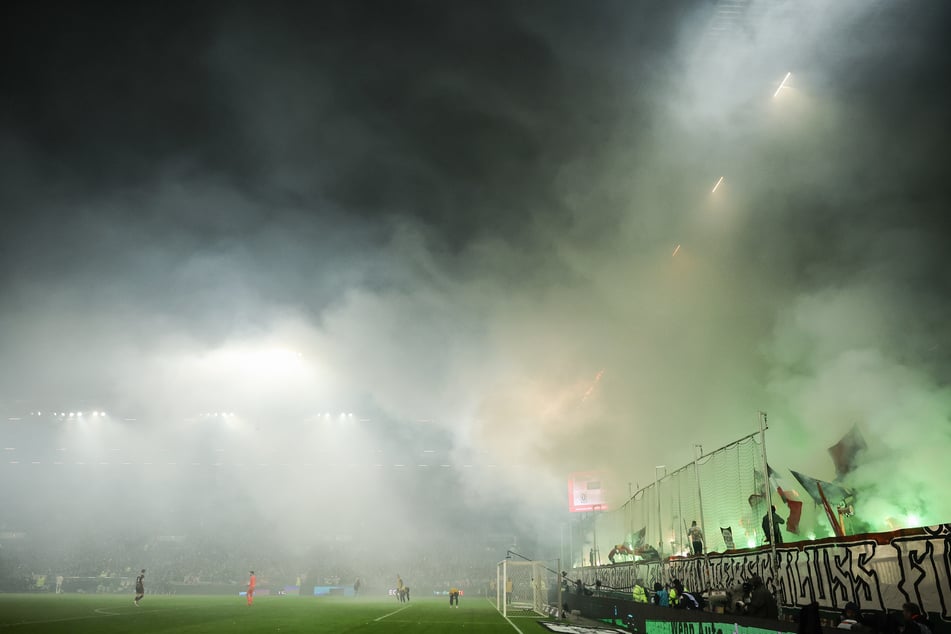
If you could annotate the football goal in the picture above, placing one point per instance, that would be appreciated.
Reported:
(528, 588)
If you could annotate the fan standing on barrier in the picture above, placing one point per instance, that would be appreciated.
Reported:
(696, 538)
(777, 520)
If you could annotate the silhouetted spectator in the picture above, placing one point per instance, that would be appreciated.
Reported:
(762, 603)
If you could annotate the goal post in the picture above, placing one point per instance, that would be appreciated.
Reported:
(528, 588)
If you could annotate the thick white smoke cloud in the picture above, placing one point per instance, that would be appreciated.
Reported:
(565, 337)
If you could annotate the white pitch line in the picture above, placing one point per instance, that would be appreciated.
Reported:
(69, 618)
(98, 615)
(391, 613)
(514, 627)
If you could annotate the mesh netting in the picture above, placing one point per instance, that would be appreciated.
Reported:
(721, 491)
(527, 588)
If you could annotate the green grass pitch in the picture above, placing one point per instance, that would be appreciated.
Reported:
(105, 614)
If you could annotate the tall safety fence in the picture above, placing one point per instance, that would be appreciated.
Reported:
(723, 492)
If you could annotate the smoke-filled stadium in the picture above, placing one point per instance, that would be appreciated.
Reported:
(371, 316)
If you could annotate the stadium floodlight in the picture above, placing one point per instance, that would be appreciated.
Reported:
(782, 84)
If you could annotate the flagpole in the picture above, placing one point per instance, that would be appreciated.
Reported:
(763, 426)
(696, 471)
(660, 527)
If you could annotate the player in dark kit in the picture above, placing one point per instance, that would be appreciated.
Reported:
(139, 587)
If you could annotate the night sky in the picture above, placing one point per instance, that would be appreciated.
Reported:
(458, 221)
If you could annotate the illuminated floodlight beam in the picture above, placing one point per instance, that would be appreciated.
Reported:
(717, 186)
(782, 83)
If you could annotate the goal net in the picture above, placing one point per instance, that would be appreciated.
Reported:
(528, 588)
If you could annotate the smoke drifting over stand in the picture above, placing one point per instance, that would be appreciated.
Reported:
(456, 223)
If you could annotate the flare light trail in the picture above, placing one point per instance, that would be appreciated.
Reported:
(591, 388)
(783, 83)
(675, 251)
(715, 187)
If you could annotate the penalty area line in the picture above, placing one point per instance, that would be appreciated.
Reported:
(106, 612)
(390, 614)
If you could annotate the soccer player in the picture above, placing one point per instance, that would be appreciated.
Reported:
(252, 581)
(139, 587)
(454, 597)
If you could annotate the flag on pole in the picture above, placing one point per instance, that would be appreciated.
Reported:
(637, 539)
(830, 489)
(790, 497)
(845, 453)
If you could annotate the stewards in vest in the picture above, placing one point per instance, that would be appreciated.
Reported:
(640, 594)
